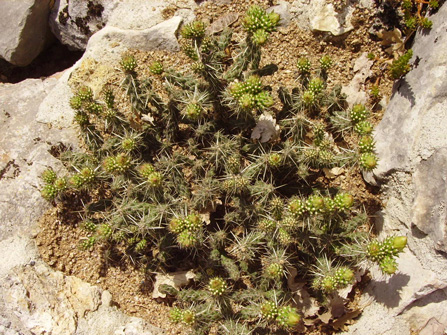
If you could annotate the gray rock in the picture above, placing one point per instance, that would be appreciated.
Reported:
(319, 15)
(38, 300)
(355, 90)
(23, 30)
(74, 22)
(412, 149)
(322, 16)
(283, 9)
(24, 153)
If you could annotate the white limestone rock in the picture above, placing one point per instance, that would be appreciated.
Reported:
(24, 30)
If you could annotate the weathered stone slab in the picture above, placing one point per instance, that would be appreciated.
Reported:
(23, 30)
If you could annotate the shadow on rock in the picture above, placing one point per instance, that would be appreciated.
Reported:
(387, 292)
(405, 90)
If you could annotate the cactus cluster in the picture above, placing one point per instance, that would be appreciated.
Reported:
(179, 180)
(384, 253)
(260, 23)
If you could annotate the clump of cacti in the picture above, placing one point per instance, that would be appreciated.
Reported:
(180, 179)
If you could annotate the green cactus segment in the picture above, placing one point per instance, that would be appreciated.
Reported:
(258, 22)
(340, 278)
(384, 252)
(267, 225)
(176, 315)
(250, 95)
(296, 207)
(48, 176)
(193, 222)
(304, 66)
(274, 271)
(128, 63)
(118, 164)
(315, 204)
(188, 317)
(145, 170)
(364, 128)
(368, 161)
(60, 184)
(269, 310)
(343, 276)
(326, 62)
(109, 98)
(86, 176)
(358, 113)
(155, 179)
(217, 286)
(366, 144)
(82, 119)
(344, 201)
(88, 243)
(187, 239)
(316, 85)
(156, 68)
(177, 225)
(89, 226)
(388, 265)
(49, 192)
(288, 317)
(85, 94)
(76, 102)
(193, 30)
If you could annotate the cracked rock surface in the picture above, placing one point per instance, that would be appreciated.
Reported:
(412, 149)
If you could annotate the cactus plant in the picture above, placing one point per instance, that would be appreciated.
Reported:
(179, 179)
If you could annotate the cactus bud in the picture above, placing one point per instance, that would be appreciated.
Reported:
(128, 63)
(399, 243)
(217, 286)
(269, 310)
(188, 317)
(343, 201)
(260, 36)
(156, 68)
(48, 192)
(288, 317)
(368, 161)
(176, 315)
(60, 184)
(48, 176)
(303, 66)
(274, 271)
(388, 265)
(296, 207)
(325, 62)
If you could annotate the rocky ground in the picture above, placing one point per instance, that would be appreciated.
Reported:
(49, 286)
